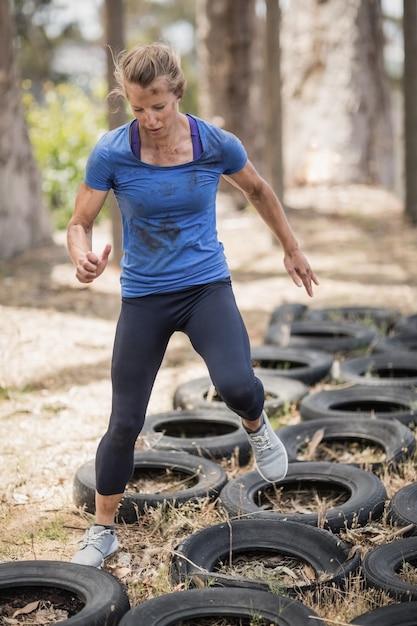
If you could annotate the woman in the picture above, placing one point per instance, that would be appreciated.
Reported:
(164, 168)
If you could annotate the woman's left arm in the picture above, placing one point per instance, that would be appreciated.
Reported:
(260, 194)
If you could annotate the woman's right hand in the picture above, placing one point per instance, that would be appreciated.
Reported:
(90, 266)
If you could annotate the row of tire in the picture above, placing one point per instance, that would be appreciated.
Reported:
(105, 602)
(362, 495)
(378, 404)
(384, 417)
(342, 329)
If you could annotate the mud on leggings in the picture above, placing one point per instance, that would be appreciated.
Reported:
(209, 316)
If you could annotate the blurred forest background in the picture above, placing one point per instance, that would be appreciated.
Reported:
(322, 93)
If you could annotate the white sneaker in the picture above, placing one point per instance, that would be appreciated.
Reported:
(270, 454)
(99, 543)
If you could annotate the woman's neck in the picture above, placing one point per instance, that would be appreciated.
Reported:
(172, 148)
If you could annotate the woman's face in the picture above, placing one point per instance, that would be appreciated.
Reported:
(155, 107)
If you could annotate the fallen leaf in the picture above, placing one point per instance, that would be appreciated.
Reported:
(288, 571)
(316, 439)
(198, 582)
(32, 606)
(309, 572)
(122, 572)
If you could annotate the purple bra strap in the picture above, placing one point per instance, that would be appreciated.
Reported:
(195, 138)
(134, 139)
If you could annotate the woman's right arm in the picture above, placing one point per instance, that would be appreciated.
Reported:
(88, 204)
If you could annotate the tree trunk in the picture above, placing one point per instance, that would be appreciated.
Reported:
(115, 35)
(410, 108)
(231, 70)
(24, 221)
(337, 117)
(273, 107)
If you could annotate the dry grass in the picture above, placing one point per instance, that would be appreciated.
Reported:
(160, 530)
(143, 562)
(148, 547)
(157, 534)
(36, 531)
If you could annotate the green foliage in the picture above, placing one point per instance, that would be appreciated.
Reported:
(63, 129)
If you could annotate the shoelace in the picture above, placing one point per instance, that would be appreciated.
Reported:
(261, 442)
(93, 539)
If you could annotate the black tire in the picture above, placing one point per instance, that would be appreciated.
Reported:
(361, 401)
(402, 508)
(215, 435)
(381, 566)
(365, 494)
(171, 608)
(209, 478)
(379, 370)
(279, 391)
(331, 337)
(407, 323)
(396, 439)
(102, 597)
(402, 342)
(309, 366)
(383, 318)
(289, 312)
(403, 614)
(197, 558)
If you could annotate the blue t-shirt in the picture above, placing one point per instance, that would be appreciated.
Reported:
(168, 214)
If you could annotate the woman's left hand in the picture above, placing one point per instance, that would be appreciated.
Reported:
(300, 271)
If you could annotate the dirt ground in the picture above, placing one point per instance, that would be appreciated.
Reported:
(56, 338)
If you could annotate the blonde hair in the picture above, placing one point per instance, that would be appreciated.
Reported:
(144, 64)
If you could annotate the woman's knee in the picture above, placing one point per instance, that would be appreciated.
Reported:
(124, 432)
(246, 398)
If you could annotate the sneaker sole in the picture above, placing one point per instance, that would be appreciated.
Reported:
(272, 480)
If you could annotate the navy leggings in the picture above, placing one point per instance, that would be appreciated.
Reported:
(209, 316)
